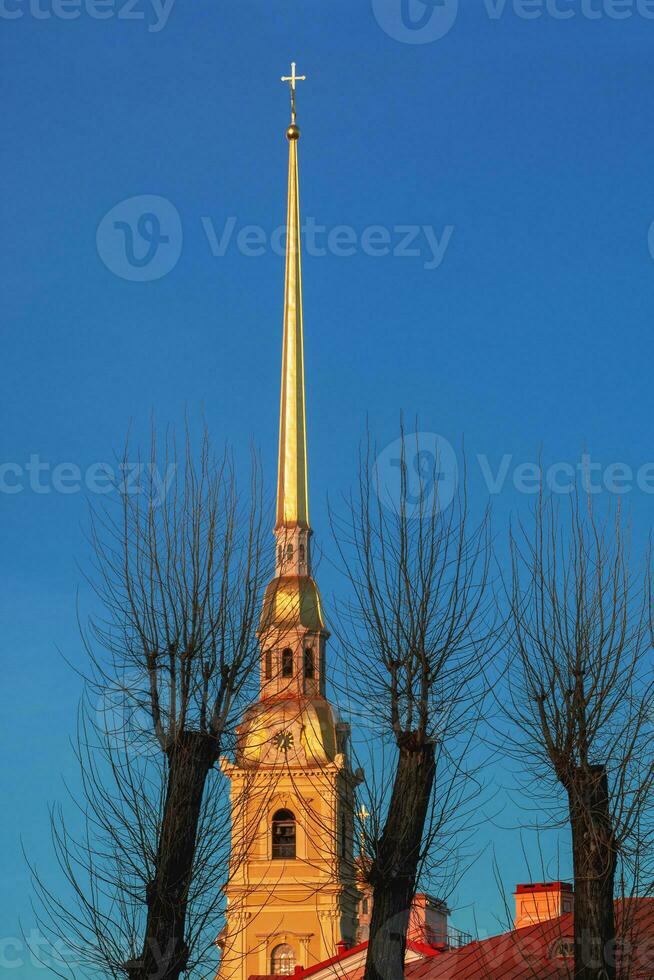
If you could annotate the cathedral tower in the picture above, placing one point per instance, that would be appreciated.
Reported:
(291, 896)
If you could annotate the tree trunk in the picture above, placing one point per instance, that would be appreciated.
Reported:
(594, 859)
(394, 868)
(165, 951)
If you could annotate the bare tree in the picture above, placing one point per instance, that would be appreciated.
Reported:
(580, 702)
(178, 577)
(417, 574)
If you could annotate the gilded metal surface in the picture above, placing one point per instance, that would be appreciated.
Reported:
(292, 491)
(292, 601)
(310, 725)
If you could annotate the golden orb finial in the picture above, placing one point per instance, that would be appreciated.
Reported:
(293, 132)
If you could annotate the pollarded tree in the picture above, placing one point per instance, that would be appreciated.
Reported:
(580, 702)
(412, 638)
(178, 577)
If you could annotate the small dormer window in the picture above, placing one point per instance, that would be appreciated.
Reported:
(563, 949)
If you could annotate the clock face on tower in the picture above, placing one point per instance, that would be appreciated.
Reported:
(284, 741)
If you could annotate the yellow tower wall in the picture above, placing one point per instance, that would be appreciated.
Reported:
(308, 902)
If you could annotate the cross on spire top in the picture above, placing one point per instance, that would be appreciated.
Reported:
(292, 79)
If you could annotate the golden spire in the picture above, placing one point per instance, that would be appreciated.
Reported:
(292, 599)
(292, 491)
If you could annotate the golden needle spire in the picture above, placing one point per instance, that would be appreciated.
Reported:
(292, 492)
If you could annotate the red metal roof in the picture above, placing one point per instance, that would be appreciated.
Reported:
(531, 953)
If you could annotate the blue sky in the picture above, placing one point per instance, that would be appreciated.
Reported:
(519, 141)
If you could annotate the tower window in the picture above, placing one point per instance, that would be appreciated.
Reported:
(289, 551)
(279, 555)
(309, 664)
(283, 837)
(302, 552)
(282, 961)
(287, 662)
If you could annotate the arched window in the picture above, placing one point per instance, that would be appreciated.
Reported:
(289, 551)
(282, 961)
(301, 552)
(283, 836)
(287, 662)
(309, 664)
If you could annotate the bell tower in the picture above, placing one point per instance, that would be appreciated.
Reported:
(291, 895)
